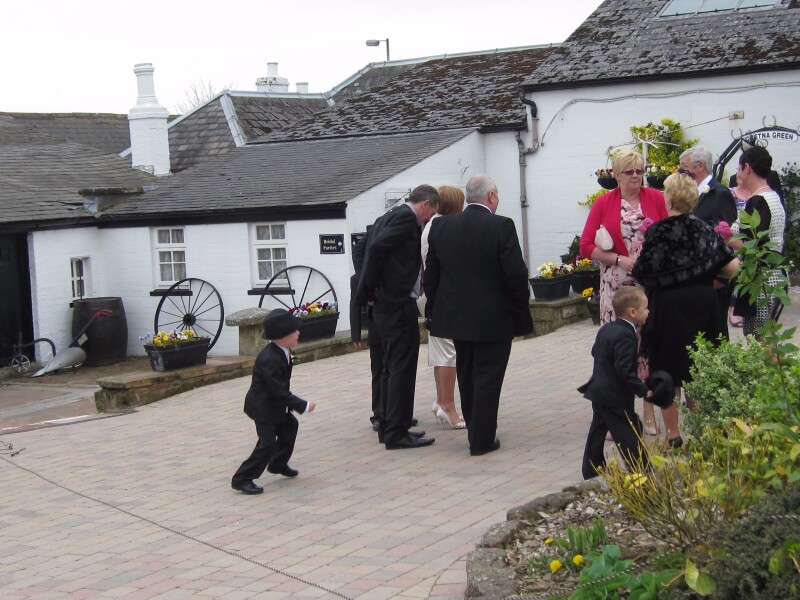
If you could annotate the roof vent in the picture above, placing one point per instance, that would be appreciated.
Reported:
(272, 83)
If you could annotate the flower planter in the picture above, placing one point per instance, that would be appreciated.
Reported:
(585, 279)
(178, 356)
(656, 181)
(607, 183)
(552, 288)
(594, 312)
(318, 328)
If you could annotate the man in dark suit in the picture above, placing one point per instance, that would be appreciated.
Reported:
(715, 204)
(390, 280)
(476, 283)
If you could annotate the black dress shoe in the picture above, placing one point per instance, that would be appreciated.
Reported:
(247, 487)
(286, 471)
(410, 442)
(416, 434)
(376, 425)
(495, 446)
(414, 422)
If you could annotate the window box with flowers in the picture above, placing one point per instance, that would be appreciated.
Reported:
(552, 281)
(585, 273)
(319, 320)
(592, 296)
(175, 350)
(605, 177)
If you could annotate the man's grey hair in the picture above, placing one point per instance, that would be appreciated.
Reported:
(478, 186)
(699, 154)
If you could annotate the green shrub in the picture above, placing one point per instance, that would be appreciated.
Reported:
(724, 384)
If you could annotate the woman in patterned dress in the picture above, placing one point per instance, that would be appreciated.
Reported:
(754, 167)
(625, 213)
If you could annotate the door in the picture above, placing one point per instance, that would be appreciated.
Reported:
(15, 294)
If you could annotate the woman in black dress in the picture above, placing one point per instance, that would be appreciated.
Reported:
(678, 266)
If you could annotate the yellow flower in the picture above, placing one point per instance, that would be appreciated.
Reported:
(635, 480)
(548, 541)
(578, 560)
(555, 565)
(587, 292)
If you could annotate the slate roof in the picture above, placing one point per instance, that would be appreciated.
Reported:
(108, 132)
(625, 40)
(278, 179)
(39, 183)
(474, 90)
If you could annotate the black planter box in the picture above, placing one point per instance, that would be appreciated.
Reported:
(656, 181)
(318, 328)
(177, 356)
(550, 288)
(585, 279)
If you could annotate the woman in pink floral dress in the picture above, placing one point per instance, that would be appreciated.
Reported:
(624, 213)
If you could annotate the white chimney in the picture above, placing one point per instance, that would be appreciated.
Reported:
(272, 83)
(148, 125)
(302, 87)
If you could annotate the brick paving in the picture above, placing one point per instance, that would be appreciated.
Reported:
(140, 506)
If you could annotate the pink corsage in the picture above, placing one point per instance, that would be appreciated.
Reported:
(723, 229)
(646, 225)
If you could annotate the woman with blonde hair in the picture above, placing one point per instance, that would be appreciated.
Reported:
(614, 234)
(680, 259)
(441, 351)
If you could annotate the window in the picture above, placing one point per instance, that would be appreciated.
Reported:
(170, 255)
(269, 245)
(692, 7)
(79, 271)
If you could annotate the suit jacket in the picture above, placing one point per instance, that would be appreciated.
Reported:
(392, 259)
(475, 278)
(614, 381)
(269, 398)
(716, 205)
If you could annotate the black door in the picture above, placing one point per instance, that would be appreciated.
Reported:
(15, 294)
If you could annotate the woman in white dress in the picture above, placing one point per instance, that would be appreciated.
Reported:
(441, 352)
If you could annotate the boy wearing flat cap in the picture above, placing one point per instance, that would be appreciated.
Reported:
(269, 403)
(614, 383)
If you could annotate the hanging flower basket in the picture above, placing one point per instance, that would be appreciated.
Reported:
(607, 183)
(656, 181)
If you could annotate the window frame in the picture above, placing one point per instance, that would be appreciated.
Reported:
(665, 12)
(171, 247)
(84, 279)
(271, 244)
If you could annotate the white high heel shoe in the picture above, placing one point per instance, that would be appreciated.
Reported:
(443, 417)
(435, 408)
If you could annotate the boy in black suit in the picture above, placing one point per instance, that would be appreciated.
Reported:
(269, 403)
(614, 383)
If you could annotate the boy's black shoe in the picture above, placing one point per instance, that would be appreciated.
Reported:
(675, 442)
(410, 442)
(286, 471)
(247, 487)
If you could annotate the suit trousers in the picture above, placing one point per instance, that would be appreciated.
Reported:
(376, 369)
(399, 330)
(480, 368)
(626, 429)
(274, 449)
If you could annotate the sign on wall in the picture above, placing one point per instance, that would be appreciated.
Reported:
(332, 243)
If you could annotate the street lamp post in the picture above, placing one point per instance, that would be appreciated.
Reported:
(378, 43)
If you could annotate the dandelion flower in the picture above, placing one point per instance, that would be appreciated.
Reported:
(578, 560)
(555, 565)
(548, 541)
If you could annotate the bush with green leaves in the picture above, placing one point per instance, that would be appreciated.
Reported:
(790, 184)
(668, 139)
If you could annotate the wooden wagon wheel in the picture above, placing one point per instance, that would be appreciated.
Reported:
(191, 304)
(295, 286)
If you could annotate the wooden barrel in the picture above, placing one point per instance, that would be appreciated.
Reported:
(107, 337)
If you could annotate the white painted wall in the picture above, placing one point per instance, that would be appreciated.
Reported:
(577, 126)
(122, 261)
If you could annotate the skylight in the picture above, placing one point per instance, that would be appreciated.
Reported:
(676, 8)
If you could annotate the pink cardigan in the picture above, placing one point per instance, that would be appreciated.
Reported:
(606, 211)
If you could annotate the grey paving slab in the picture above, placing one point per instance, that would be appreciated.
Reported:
(140, 506)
